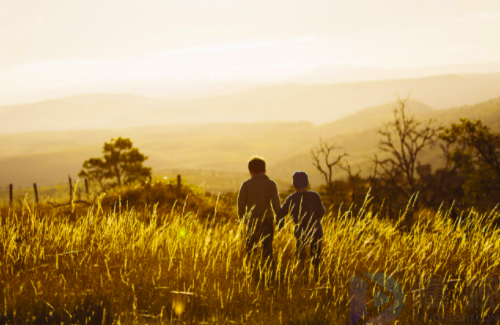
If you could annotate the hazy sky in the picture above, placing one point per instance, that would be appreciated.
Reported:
(53, 45)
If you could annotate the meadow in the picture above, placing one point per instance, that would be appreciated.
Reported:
(139, 255)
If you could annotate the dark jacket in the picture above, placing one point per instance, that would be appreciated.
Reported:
(258, 195)
(306, 209)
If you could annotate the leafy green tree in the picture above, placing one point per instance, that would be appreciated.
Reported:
(94, 169)
(475, 151)
(121, 164)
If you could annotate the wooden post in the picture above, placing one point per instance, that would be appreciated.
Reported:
(87, 187)
(11, 194)
(70, 189)
(36, 192)
(149, 182)
(178, 186)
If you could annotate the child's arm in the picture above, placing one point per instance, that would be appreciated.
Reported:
(280, 216)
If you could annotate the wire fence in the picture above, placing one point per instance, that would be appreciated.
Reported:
(45, 189)
(69, 191)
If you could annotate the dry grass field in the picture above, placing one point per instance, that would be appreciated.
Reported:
(128, 260)
(128, 128)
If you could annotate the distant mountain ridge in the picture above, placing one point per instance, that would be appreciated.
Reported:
(48, 157)
(335, 74)
(318, 104)
(362, 142)
(372, 117)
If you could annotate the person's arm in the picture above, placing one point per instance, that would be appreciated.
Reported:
(320, 211)
(242, 201)
(275, 199)
(283, 211)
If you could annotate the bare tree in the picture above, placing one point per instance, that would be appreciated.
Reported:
(353, 176)
(404, 139)
(325, 161)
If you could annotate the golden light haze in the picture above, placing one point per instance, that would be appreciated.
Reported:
(197, 48)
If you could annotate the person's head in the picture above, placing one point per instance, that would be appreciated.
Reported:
(256, 165)
(300, 180)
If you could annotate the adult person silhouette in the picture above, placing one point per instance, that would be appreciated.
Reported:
(258, 202)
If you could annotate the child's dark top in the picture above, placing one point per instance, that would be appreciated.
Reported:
(306, 210)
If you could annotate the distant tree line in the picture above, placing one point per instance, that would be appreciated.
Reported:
(467, 173)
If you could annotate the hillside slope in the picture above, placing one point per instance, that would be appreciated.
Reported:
(318, 104)
(357, 134)
(207, 152)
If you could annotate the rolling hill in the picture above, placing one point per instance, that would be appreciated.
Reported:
(215, 154)
(362, 142)
(342, 73)
(318, 104)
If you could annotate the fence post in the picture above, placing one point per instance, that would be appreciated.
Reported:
(70, 189)
(36, 192)
(87, 187)
(11, 194)
(178, 186)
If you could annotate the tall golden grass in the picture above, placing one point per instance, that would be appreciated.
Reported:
(175, 264)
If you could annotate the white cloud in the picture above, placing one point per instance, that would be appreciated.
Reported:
(481, 16)
(307, 38)
(217, 48)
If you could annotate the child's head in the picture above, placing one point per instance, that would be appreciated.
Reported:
(300, 180)
(257, 165)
